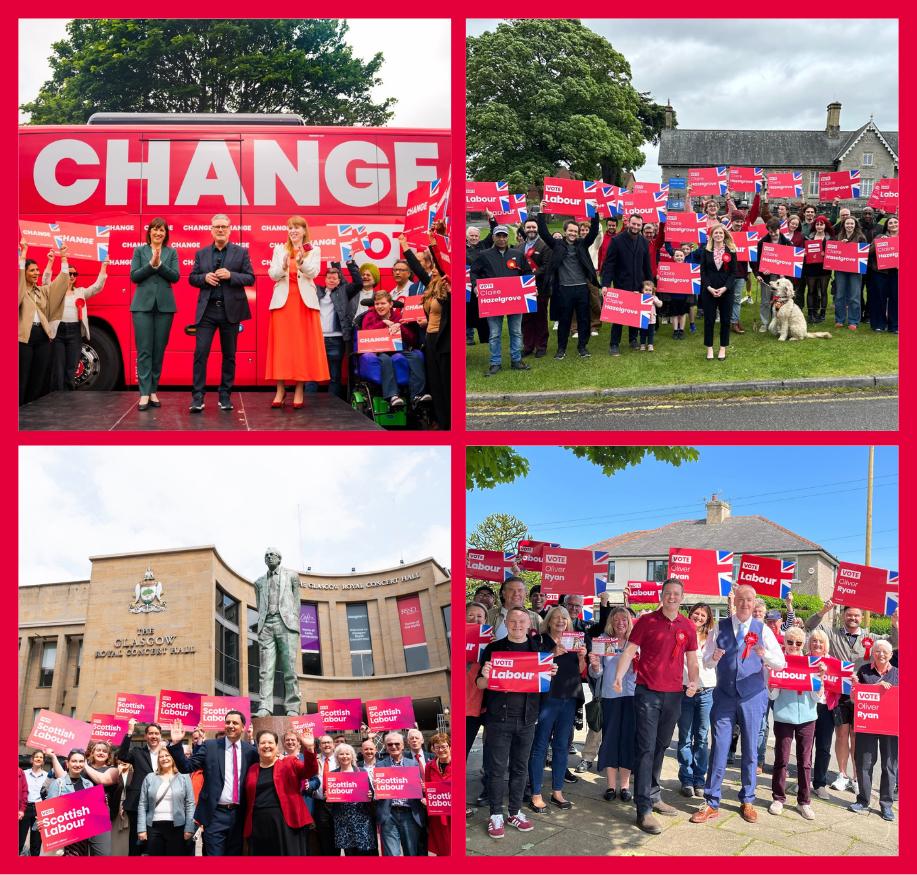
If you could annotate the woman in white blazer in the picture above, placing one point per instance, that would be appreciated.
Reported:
(295, 344)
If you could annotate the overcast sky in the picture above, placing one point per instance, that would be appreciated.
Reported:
(362, 507)
(746, 73)
(416, 68)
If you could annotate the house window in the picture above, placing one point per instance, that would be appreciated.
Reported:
(813, 183)
(310, 639)
(48, 658)
(447, 622)
(657, 569)
(361, 645)
(611, 574)
(866, 186)
(868, 159)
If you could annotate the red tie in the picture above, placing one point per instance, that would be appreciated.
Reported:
(235, 775)
(325, 777)
(420, 767)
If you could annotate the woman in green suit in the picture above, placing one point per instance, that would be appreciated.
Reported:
(154, 268)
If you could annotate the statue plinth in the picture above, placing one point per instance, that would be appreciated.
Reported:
(276, 724)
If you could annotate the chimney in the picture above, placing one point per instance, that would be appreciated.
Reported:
(833, 127)
(669, 115)
(718, 511)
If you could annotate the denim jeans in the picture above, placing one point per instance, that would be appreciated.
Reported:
(416, 375)
(556, 715)
(762, 734)
(495, 325)
(847, 297)
(400, 834)
(738, 292)
(334, 352)
(694, 738)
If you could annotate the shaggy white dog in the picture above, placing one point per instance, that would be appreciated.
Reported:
(788, 321)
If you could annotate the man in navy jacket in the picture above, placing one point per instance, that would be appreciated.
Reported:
(627, 266)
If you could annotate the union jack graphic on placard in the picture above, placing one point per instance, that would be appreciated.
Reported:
(892, 578)
(800, 253)
(855, 182)
(501, 187)
(545, 663)
(724, 560)
(797, 183)
(509, 560)
(512, 208)
(434, 187)
(590, 609)
(721, 172)
(891, 603)
(785, 228)
(527, 281)
(661, 202)
(862, 254)
(398, 343)
(787, 573)
(600, 560)
(467, 283)
(646, 308)
(846, 673)
(695, 279)
(754, 238)
(484, 635)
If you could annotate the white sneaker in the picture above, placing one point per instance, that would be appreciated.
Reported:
(840, 782)
(575, 335)
(776, 807)
(762, 329)
(554, 327)
(806, 811)
(855, 788)
(594, 333)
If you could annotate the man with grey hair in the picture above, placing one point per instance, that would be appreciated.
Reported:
(221, 271)
(277, 593)
(402, 822)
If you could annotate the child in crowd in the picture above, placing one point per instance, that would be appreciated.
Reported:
(646, 334)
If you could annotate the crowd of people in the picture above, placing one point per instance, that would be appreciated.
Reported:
(242, 792)
(673, 667)
(572, 265)
(310, 332)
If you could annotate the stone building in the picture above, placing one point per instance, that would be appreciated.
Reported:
(182, 619)
(871, 151)
(643, 555)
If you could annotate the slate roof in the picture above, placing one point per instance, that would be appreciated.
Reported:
(741, 534)
(707, 148)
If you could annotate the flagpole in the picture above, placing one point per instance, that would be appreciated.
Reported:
(868, 552)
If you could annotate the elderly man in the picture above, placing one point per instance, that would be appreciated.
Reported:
(221, 271)
(739, 651)
(402, 822)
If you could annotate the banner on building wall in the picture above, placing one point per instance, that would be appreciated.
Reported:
(410, 618)
(52, 731)
(309, 635)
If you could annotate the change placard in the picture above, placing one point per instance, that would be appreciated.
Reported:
(413, 308)
(379, 340)
(703, 572)
(82, 241)
(866, 587)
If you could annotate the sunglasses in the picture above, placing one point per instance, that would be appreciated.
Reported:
(73, 274)
(793, 643)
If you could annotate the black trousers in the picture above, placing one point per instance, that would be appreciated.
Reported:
(25, 829)
(824, 733)
(618, 330)
(134, 848)
(472, 725)
(439, 375)
(870, 749)
(65, 355)
(213, 320)
(324, 828)
(816, 296)
(166, 840)
(711, 306)
(507, 742)
(655, 715)
(34, 365)
(572, 299)
(535, 325)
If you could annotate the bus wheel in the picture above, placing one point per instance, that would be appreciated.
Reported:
(99, 366)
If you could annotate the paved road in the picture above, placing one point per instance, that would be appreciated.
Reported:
(872, 410)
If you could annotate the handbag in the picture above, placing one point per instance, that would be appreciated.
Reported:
(594, 714)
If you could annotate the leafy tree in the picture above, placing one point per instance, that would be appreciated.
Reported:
(498, 531)
(485, 467)
(202, 65)
(543, 93)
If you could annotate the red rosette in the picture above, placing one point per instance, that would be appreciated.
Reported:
(80, 306)
(751, 639)
(307, 247)
(512, 264)
(680, 638)
(867, 646)
(726, 258)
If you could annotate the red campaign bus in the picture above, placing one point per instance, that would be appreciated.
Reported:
(123, 169)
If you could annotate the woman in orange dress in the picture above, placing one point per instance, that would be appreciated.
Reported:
(295, 345)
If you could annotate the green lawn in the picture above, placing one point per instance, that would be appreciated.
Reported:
(751, 356)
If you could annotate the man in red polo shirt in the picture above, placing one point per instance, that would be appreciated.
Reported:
(663, 637)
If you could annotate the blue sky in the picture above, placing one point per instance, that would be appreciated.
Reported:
(817, 492)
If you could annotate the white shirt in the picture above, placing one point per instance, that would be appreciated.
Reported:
(154, 758)
(774, 656)
(326, 312)
(401, 291)
(332, 765)
(226, 793)
(35, 782)
(163, 808)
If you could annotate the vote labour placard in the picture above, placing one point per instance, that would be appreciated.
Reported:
(875, 709)
(884, 196)
(394, 713)
(397, 782)
(214, 708)
(343, 714)
(488, 564)
(798, 675)
(686, 228)
(513, 209)
(477, 637)
(52, 731)
(843, 184)
(886, 252)
(626, 308)
(530, 554)
(348, 787)
(784, 184)
(838, 676)
(507, 295)
(748, 179)
(439, 797)
(782, 260)
(481, 196)
(703, 572)
(107, 727)
(644, 591)
(568, 572)
(141, 708)
(520, 672)
(746, 244)
(177, 705)
(846, 257)
(866, 587)
(571, 197)
(708, 181)
(650, 206)
(72, 817)
(768, 576)
(379, 340)
(82, 241)
(678, 278)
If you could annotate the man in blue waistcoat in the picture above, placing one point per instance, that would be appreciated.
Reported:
(740, 649)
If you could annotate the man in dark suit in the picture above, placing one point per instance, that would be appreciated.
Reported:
(221, 804)
(627, 266)
(221, 271)
(401, 821)
(143, 759)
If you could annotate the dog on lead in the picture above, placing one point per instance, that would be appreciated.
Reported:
(788, 321)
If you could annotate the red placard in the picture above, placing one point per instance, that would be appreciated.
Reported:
(508, 295)
(336, 714)
(748, 179)
(477, 637)
(784, 184)
(686, 228)
(419, 211)
(413, 308)
(178, 705)
(678, 277)
(626, 308)
(746, 244)
(485, 564)
(875, 709)
(886, 252)
(90, 242)
(107, 727)
(782, 260)
(884, 196)
(865, 587)
(214, 708)
(72, 817)
(651, 207)
(141, 708)
(300, 723)
(52, 731)
(644, 591)
(348, 787)
(379, 340)
(519, 672)
(769, 576)
(394, 713)
(530, 554)
(843, 184)
(846, 257)
(708, 181)
(608, 198)
(568, 572)
(815, 252)
(703, 572)
(439, 798)
(838, 676)
(798, 675)
(570, 197)
(397, 782)
(481, 196)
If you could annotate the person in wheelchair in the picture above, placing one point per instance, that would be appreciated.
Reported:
(383, 315)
